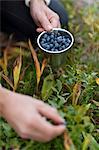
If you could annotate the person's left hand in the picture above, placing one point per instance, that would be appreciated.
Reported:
(43, 16)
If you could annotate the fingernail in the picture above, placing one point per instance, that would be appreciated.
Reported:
(63, 121)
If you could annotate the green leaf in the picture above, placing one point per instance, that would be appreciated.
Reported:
(59, 85)
(93, 143)
(47, 87)
(90, 142)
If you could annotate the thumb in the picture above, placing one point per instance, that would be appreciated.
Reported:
(45, 23)
(58, 130)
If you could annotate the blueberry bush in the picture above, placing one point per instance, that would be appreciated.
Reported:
(73, 88)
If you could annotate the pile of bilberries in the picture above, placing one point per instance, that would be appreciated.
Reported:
(55, 41)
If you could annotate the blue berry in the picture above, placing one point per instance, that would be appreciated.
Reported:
(56, 45)
(68, 40)
(52, 36)
(66, 44)
(52, 49)
(51, 45)
(42, 42)
(44, 45)
(48, 39)
(43, 39)
(59, 39)
(58, 34)
(64, 39)
(48, 47)
(45, 36)
(52, 40)
(60, 48)
(63, 47)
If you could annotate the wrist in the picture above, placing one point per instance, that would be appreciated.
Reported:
(27, 2)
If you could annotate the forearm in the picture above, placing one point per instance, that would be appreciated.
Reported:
(3, 97)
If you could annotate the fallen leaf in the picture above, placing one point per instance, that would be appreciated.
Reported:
(44, 63)
(37, 64)
(96, 103)
(21, 44)
(76, 93)
(4, 62)
(68, 144)
(23, 72)
(97, 81)
(91, 35)
(5, 55)
(8, 81)
(17, 70)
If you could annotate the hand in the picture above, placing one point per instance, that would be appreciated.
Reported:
(43, 16)
(28, 117)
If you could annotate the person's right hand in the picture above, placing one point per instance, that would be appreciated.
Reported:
(27, 116)
(43, 16)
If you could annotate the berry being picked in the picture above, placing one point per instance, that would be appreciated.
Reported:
(55, 41)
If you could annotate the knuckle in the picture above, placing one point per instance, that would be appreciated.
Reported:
(45, 139)
(48, 139)
(23, 134)
(54, 110)
(39, 103)
(56, 16)
(49, 136)
(30, 122)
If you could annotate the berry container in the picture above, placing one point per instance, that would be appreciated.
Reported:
(54, 45)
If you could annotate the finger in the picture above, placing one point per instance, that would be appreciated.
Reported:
(58, 130)
(54, 19)
(45, 23)
(59, 25)
(50, 113)
(39, 29)
(46, 130)
(54, 22)
(37, 136)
